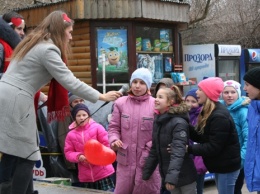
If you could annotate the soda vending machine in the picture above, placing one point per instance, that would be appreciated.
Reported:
(210, 60)
(250, 58)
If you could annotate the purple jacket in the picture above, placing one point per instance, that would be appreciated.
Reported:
(198, 161)
(74, 146)
(132, 123)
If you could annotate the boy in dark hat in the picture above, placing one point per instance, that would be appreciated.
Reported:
(164, 82)
(74, 100)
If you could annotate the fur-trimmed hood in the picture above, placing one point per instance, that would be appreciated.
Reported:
(180, 110)
(8, 34)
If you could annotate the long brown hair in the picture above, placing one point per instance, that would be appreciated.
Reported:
(206, 111)
(52, 27)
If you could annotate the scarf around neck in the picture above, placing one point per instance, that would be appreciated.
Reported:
(58, 102)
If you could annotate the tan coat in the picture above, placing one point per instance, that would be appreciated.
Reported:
(18, 86)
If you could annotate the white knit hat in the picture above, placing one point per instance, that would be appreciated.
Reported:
(143, 74)
(235, 85)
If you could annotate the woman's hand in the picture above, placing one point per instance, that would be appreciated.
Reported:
(44, 98)
(169, 186)
(110, 96)
(116, 144)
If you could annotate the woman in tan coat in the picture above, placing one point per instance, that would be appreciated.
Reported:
(40, 58)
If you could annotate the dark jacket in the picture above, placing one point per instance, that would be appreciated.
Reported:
(7, 36)
(219, 144)
(176, 168)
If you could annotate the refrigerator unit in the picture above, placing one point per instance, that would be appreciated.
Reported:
(250, 58)
(210, 60)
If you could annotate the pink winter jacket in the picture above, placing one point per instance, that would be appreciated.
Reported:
(74, 146)
(132, 123)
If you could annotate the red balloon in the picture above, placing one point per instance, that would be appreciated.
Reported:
(98, 154)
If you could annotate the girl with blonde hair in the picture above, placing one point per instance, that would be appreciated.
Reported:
(217, 136)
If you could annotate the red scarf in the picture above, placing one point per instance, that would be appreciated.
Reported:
(7, 54)
(58, 102)
(36, 101)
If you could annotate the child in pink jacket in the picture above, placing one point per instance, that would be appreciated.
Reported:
(83, 129)
(130, 134)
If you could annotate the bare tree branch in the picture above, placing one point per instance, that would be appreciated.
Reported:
(204, 15)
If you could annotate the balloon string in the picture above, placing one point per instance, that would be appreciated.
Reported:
(44, 104)
(52, 144)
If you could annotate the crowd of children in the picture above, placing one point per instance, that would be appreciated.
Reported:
(166, 143)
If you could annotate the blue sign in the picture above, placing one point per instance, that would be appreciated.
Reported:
(254, 55)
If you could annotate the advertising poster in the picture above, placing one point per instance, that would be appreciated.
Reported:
(254, 55)
(199, 61)
(112, 48)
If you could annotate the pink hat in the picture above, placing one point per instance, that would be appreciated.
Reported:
(212, 87)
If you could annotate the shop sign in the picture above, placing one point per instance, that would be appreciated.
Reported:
(229, 50)
(199, 61)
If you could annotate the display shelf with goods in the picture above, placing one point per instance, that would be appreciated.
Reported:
(158, 64)
(154, 51)
(187, 85)
(179, 78)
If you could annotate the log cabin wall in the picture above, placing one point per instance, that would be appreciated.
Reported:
(80, 63)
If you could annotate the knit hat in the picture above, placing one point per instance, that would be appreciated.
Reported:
(212, 87)
(253, 77)
(192, 93)
(143, 74)
(235, 85)
(168, 82)
(73, 97)
(77, 108)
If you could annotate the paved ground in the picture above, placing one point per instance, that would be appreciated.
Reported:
(47, 188)
(210, 188)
